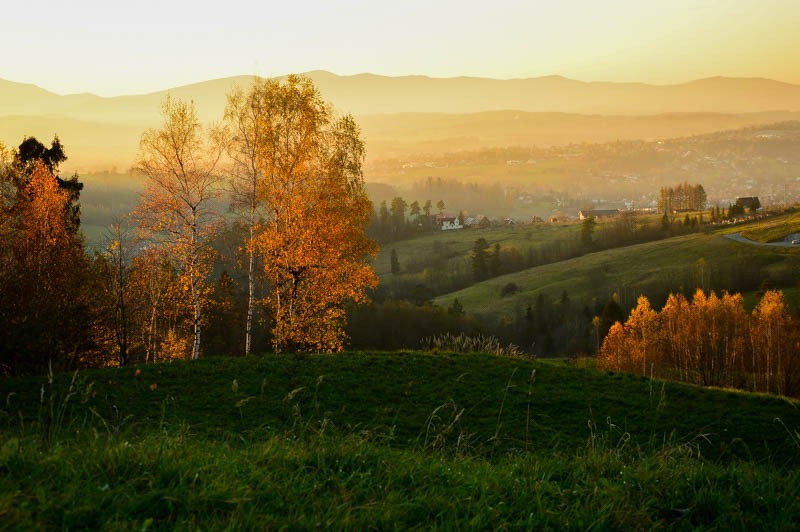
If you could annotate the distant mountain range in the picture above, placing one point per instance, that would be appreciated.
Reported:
(107, 129)
(371, 94)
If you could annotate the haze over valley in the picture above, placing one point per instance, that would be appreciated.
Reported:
(419, 114)
(521, 135)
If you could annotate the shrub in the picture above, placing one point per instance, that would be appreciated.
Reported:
(510, 288)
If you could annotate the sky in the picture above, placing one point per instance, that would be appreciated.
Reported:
(112, 47)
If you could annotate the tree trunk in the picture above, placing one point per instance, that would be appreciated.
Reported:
(250, 291)
(197, 317)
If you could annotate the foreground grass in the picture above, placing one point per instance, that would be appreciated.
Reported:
(494, 405)
(383, 440)
(183, 482)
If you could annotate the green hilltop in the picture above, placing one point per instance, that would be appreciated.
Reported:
(403, 439)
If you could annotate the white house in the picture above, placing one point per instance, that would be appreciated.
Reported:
(448, 222)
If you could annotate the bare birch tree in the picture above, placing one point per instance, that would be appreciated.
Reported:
(177, 205)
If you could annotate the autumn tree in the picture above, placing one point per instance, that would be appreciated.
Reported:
(111, 274)
(245, 131)
(7, 196)
(682, 196)
(710, 341)
(774, 360)
(177, 205)
(43, 315)
(312, 242)
(32, 152)
(160, 307)
(642, 327)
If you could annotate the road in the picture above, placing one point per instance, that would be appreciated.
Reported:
(785, 244)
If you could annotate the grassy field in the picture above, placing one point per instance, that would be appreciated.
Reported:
(459, 244)
(669, 264)
(381, 440)
(773, 229)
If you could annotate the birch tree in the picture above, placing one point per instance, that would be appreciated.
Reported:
(244, 131)
(313, 244)
(177, 205)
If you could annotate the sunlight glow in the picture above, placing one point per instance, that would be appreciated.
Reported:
(112, 48)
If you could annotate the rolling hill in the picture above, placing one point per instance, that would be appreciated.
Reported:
(652, 268)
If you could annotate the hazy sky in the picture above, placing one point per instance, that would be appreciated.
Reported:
(111, 47)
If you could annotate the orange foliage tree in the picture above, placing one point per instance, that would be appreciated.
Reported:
(42, 307)
(774, 362)
(710, 341)
(315, 252)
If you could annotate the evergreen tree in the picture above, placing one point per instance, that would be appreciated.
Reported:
(395, 263)
(611, 314)
(383, 218)
(587, 231)
(398, 215)
(456, 309)
(665, 225)
(480, 268)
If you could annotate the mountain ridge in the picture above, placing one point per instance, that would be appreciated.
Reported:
(401, 115)
(368, 93)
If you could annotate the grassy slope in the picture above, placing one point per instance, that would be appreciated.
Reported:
(357, 440)
(461, 242)
(774, 229)
(395, 394)
(629, 270)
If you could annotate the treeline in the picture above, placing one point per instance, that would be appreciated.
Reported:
(400, 220)
(470, 197)
(299, 211)
(710, 341)
(555, 323)
(681, 197)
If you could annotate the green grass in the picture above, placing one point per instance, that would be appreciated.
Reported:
(773, 229)
(383, 440)
(460, 243)
(171, 481)
(670, 264)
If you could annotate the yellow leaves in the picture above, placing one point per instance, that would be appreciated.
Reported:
(709, 341)
(44, 224)
(313, 244)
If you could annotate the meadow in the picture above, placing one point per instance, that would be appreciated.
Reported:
(774, 229)
(682, 263)
(381, 440)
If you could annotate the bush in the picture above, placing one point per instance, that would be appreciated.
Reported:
(510, 288)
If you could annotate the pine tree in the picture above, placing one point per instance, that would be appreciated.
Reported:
(480, 268)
